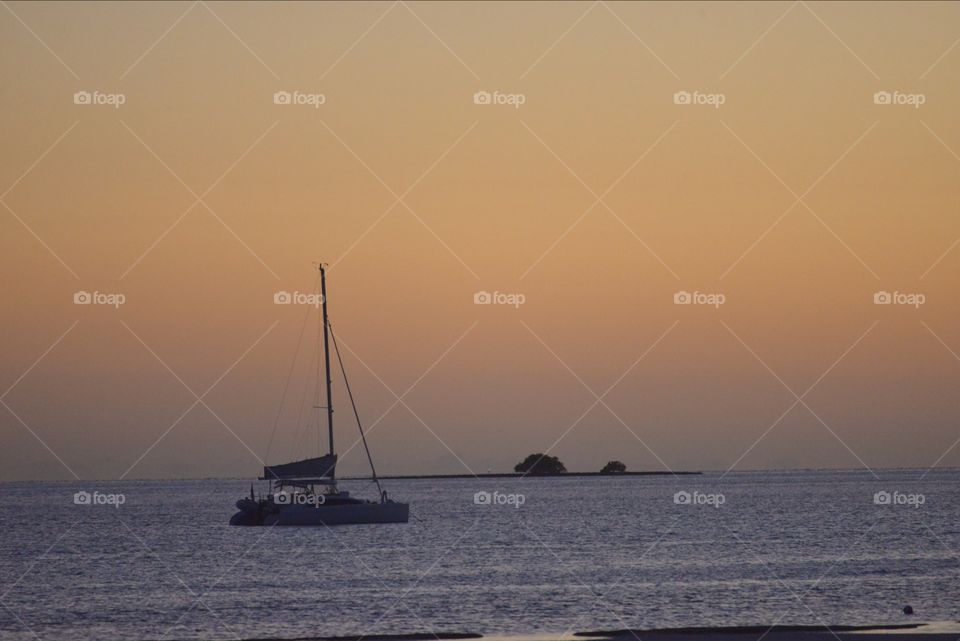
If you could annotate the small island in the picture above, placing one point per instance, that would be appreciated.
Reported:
(613, 467)
(540, 465)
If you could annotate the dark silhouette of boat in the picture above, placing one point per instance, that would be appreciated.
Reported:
(305, 492)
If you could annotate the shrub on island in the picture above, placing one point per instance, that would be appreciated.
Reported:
(613, 467)
(540, 464)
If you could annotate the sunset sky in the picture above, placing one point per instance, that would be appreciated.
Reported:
(597, 199)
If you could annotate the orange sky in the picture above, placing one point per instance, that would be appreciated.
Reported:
(598, 199)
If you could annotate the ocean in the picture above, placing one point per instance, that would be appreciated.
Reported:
(157, 560)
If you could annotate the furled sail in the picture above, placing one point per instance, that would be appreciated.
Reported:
(319, 467)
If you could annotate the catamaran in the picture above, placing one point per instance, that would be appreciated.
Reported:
(305, 492)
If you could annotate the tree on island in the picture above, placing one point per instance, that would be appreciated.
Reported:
(613, 467)
(540, 464)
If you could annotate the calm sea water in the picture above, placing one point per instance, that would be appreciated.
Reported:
(578, 554)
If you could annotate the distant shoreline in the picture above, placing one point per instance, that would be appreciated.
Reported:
(517, 475)
(247, 479)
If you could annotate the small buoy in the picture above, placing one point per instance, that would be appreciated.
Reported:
(907, 609)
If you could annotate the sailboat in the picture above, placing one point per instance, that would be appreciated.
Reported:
(305, 492)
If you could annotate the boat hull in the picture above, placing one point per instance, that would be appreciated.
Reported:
(341, 514)
(306, 515)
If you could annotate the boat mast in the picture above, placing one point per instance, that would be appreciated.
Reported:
(326, 357)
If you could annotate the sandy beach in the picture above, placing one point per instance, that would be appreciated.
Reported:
(936, 631)
(940, 631)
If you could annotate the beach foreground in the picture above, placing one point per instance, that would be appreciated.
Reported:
(938, 631)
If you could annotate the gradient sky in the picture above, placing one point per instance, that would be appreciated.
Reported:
(597, 199)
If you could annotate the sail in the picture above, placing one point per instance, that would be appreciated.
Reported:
(319, 467)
